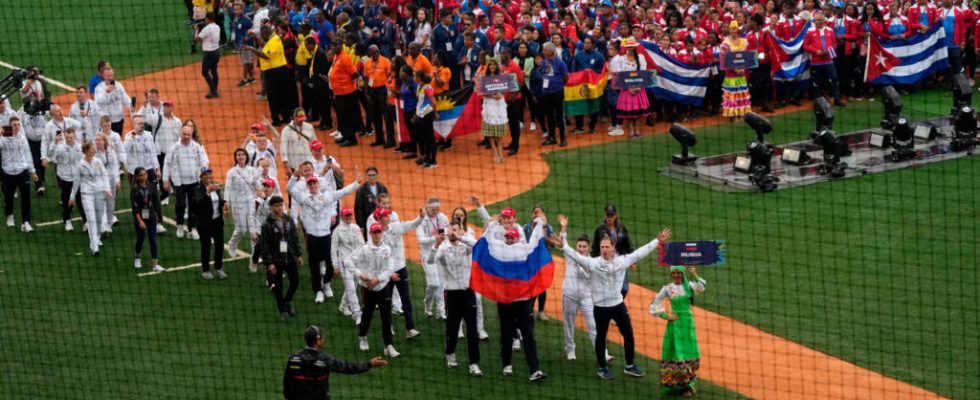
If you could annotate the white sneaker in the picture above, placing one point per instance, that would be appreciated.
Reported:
(180, 231)
(207, 275)
(10, 221)
(461, 335)
(26, 227)
(137, 263)
(336, 134)
(161, 228)
(68, 226)
(362, 343)
(533, 126)
(165, 202)
(357, 319)
(232, 252)
(475, 370)
(193, 235)
(327, 290)
(412, 334)
(115, 220)
(484, 335)
(344, 310)
(319, 298)
(251, 266)
(508, 370)
(391, 352)
(537, 376)
(108, 229)
(84, 228)
(158, 269)
(516, 346)
(451, 360)
(570, 356)
(609, 358)
(220, 273)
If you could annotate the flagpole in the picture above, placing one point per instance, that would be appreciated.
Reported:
(867, 59)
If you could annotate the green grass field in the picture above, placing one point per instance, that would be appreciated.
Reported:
(879, 270)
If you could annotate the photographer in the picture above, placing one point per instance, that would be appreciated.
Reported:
(32, 88)
(33, 125)
(210, 36)
(17, 169)
(112, 98)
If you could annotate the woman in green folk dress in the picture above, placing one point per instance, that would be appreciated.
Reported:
(681, 358)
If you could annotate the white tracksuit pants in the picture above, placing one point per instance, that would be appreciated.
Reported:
(570, 307)
(95, 212)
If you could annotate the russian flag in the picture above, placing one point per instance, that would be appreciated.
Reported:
(791, 61)
(676, 81)
(907, 61)
(503, 276)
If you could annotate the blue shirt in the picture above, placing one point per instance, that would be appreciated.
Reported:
(553, 72)
(588, 60)
(949, 25)
(92, 83)
(326, 28)
(242, 25)
(409, 98)
(444, 39)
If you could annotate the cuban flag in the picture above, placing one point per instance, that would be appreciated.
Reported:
(791, 61)
(504, 276)
(906, 61)
(676, 81)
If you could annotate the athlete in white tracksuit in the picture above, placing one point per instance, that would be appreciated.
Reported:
(432, 225)
(109, 155)
(240, 193)
(346, 238)
(257, 214)
(91, 181)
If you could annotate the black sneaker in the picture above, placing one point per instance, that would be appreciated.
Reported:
(537, 376)
(420, 161)
(409, 156)
(284, 317)
(446, 146)
(243, 83)
(430, 165)
(549, 142)
(604, 373)
(632, 370)
(290, 309)
(577, 131)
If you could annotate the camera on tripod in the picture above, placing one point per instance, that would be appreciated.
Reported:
(15, 80)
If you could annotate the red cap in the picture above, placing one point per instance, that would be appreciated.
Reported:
(346, 211)
(512, 233)
(381, 212)
(376, 227)
(168, 103)
(508, 212)
(312, 179)
(258, 127)
(269, 182)
(316, 145)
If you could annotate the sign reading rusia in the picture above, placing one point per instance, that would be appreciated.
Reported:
(701, 252)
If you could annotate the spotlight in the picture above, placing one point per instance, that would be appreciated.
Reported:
(687, 140)
(881, 140)
(824, 114)
(904, 142)
(962, 95)
(795, 156)
(759, 124)
(833, 149)
(965, 129)
(925, 132)
(743, 163)
(893, 107)
(760, 168)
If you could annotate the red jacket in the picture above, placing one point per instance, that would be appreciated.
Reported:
(888, 23)
(915, 13)
(757, 42)
(812, 44)
(697, 34)
(963, 19)
(786, 31)
(852, 32)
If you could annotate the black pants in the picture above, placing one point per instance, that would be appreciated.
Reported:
(760, 87)
(513, 316)
(515, 114)
(348, 116)
(184, 194)
(426, 138)
(282, 301)
(163, 193)
(362, 100)
(413, 134)
(553, 110)
(377, 99)
(209, 69)
(381, 300)
(543, 297)
(402, 287)
(277, 85)
(318, 248)
(212, 235)
(619, 314)
(825, 78)
(321, 104)
(533, 107)
(580, 121)
(22, 183)
(36, 158)
(65, 191)
(461, 306)
(390, 111)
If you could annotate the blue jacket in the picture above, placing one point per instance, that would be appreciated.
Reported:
(588, 60)
(386, 38)
(444, 39)
(472, 59)
(532, 47)
(552, 71)
(481, 42)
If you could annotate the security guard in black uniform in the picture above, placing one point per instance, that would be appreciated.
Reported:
(308, 370)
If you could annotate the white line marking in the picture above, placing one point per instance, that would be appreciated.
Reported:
(49, 80)
(60, 222)
(239, 255)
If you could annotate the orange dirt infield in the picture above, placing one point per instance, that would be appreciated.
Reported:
(734, 355)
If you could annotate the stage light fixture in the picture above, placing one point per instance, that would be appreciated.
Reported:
(833, 149)
(687, 140)
(962, 93)
(893, 107)
(824, 114)
(965, 129)
(881, 140)
(760, 166)
(743, 163)
(904, 142)
(795, 156)
(759, 124)
(925, 132)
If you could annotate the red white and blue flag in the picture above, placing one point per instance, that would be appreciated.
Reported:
(505, 277)
(906, 61)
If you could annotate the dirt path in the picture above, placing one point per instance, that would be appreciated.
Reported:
(734, 355)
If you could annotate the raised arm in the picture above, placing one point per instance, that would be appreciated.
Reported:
(642, 252)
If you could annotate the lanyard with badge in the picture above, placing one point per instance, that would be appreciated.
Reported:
(145, 212)
(283, 245)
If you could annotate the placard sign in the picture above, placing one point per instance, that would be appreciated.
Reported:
(701, 252)
(496, 84)
(633, 79)
(739, 60)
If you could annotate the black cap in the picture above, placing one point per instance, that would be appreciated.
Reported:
(610, 209)
(275, 200)
(312, 334)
